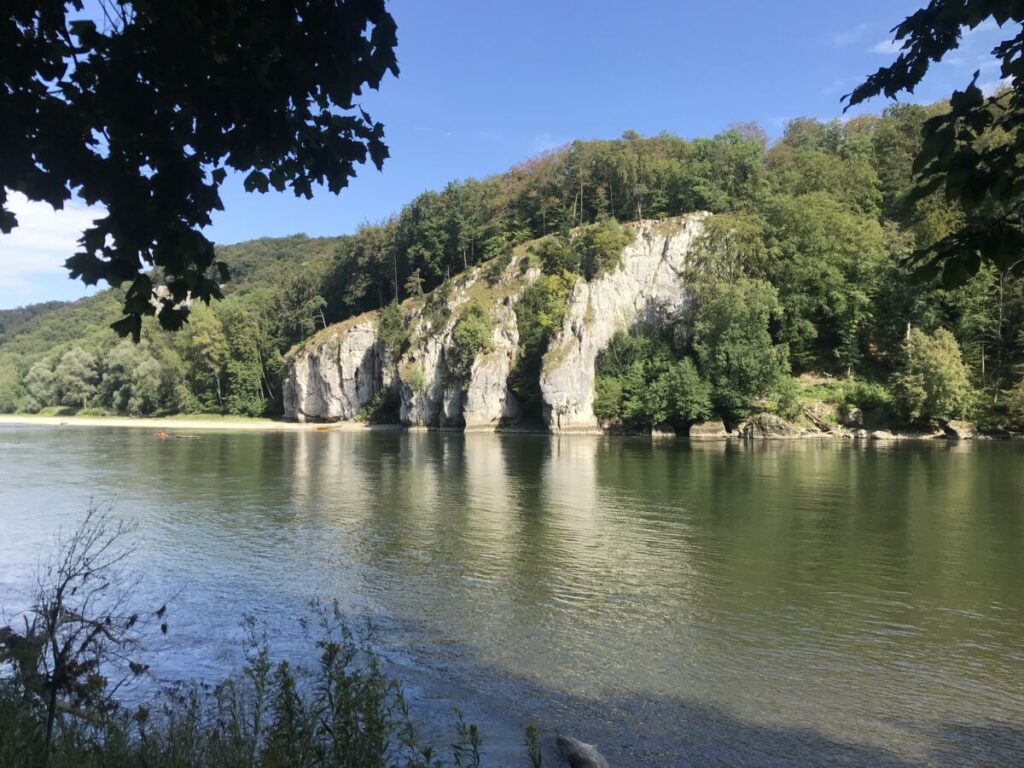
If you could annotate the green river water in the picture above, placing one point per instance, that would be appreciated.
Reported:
(773, 603)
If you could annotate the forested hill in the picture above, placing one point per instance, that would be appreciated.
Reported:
(821, 216)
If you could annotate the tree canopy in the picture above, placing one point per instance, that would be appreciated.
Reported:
(972, 150)
(146, 111)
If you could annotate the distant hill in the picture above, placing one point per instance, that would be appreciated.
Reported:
(12, 319)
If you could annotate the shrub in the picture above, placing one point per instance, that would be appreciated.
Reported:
(1015, 405)
(11, 391)
(679, 396)
(733, 343)
(414, 377)
(392, 332)
(787, 395)
(495, 267)
(382, 408)
(641, 383)
(555, 255)
(539, 313)
(933, 382)
(82, 640)
(599, 247)
(471, 337)
(607, 397)
(436, 310)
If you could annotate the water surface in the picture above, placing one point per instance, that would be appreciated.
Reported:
(797, 603)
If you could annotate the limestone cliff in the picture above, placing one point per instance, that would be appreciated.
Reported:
(648, 286)
(337, 375)
(343, 372)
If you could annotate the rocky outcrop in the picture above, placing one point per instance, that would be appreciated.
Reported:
(344, 370)
(428, 397)
(958, 430)
(769, 426)
(579, 754)
(340, 373)
(648, 285)
(708, 430)
(488, 402)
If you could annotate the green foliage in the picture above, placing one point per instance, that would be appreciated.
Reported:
(471, 337)
(203, 345)
(825, 215)
(824, 259)
(539, 313)
(414, 284)
(84, 638)
(11, 390)
(787, 398)
(1015, 405)
(731, 246)
(971, 150)
(599, 247)
(134, 381)
(414, 378)
(40, 386)
(297, 306)
(495, 267)
(933, 382)
(641, 383)
(382, 408)
(392, 331)
(556, 255)
(436, 310)
(75, 378)
(180, 93)
(733, 345)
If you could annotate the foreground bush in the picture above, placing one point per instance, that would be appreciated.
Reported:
(76, 648)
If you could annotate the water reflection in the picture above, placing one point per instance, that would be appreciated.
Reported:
(872, 594)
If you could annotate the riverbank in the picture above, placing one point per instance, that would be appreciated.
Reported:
(175, 424)
(775, 429)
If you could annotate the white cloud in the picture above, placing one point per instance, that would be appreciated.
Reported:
(987, 25)
(544, 142)
(886, 47)
(852, 35)
(840, 85)
(37, 248)
(989, 87)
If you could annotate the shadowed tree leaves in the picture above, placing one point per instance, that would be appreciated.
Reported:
(146, 112)
(971, 152)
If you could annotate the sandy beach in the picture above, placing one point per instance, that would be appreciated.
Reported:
(182, 424)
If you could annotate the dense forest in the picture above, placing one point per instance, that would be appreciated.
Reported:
(805, 257)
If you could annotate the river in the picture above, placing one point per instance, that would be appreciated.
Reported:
(761, 604)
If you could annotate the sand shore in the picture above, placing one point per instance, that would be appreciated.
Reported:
(177, 424)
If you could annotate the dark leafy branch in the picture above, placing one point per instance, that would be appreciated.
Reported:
(971, 152)
(148, 112)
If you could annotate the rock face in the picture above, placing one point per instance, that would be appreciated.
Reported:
(579, 754)
(708, 430)
(768, 426)
(344, 368)
(649, 285)
(339, 375)
(959, 430)
(488, 403)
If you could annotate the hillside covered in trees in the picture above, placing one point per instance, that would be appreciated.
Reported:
(805, 257)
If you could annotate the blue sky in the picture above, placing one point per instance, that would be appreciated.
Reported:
(485, 85)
